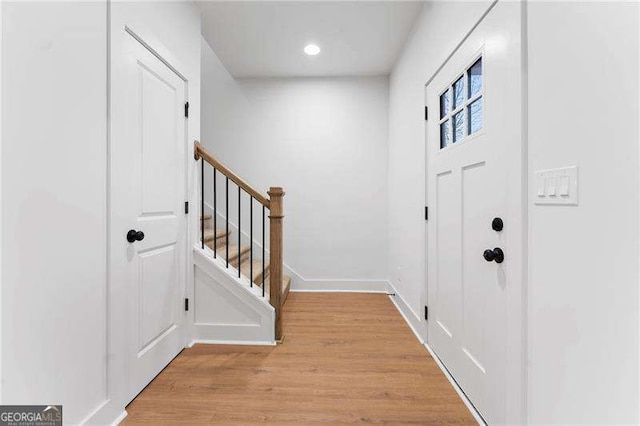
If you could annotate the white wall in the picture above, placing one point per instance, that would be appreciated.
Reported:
(54, 181)
(437, 31)
(324, 140)
(583, 290)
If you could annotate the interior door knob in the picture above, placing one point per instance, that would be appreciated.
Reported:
(496, 255)
(133, 236)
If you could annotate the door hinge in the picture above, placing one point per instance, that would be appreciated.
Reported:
(186, 109)
(426, 213)
(186, 304)
(426, 312)
(186, 207)
(426, 113)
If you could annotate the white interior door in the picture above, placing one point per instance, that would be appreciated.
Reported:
(148, 192)
(471, 125)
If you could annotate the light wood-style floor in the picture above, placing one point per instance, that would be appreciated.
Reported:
(345, 358)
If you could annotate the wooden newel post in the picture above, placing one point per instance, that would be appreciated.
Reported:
(275, 247)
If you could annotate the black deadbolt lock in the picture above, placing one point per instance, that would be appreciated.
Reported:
(497, 224)
(134, 235)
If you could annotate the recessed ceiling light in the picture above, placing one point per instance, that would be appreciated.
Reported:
(311, 49)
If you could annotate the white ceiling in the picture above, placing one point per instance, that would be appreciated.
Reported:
(266, 39)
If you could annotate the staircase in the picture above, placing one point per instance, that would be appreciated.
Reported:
(217, 240)
(239, 259)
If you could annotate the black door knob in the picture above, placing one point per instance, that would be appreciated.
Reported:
(133, 236)
(496, 255)
(497, 224)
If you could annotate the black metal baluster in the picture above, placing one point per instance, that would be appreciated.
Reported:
(215, 218)
(226, 214)
(202, 201)
(250, 241)
(263, 209)
(239, 233)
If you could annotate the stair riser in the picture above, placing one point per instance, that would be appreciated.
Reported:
(258, 276)
(258, 279)
(285, 287)
(256, 271)
(221, 251)
(220, 242)
(245, 258)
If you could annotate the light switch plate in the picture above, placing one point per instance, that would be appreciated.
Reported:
(556, 186)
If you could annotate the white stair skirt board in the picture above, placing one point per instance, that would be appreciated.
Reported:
(106, 414)
(226, 309)
(120, 418)
(415, 323)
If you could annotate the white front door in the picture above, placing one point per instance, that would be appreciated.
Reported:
(473, 124)
(148, 195)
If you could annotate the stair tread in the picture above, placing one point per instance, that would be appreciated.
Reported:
(285, 287)
(209, 234)
(245, 269)
(207, 217)
(233, 252)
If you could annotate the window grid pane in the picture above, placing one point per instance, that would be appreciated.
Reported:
(444, 104)
(458, 93)
(475, 118)
(458, 127)
(445, 134)
(475, 78)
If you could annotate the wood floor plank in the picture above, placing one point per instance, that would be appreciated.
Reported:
(346, 358)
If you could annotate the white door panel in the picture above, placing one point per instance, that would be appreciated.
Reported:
(159, 105)
(157, 295)
(148, 179)
(467, 187)
(444, 298)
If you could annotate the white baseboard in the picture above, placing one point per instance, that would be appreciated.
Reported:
(120, 418)
(414, 323)
(337, 285)
(231, 342)
(455, 386)
(417, 325)
(107, 413)
(234, 334)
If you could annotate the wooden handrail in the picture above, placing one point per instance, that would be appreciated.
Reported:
(200, 152)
